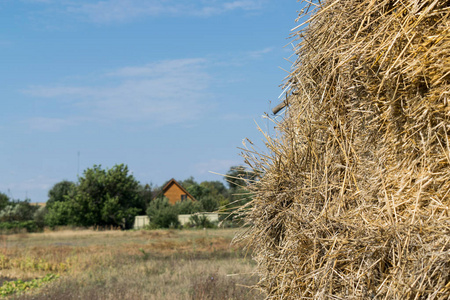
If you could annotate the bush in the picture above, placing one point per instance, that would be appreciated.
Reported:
(18, 211)
(209, 203)
(17, 226)
(200, 221)
(188, 207)
(162, 214)
(39, 217)
(59, 214)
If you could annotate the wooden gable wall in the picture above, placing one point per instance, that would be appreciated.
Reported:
(175, 193)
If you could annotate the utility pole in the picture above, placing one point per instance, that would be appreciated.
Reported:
(78, 165)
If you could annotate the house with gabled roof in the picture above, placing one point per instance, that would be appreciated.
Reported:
(175, 192)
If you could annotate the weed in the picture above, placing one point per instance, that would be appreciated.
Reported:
(145, 254)
(18, 286)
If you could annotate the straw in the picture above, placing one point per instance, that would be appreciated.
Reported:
(354, 200)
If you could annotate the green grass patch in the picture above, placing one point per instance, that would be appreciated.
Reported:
(18, 286)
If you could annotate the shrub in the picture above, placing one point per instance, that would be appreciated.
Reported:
(200, 221)
(209, 203)
(188, 207)
(162, 214)
(17, 226)
(39, 217)
(59, 214)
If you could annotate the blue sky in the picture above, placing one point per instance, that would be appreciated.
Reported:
(169, 88)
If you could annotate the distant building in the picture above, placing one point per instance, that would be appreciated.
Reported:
(173, 191)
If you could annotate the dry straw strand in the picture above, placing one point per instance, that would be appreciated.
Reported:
(355, 193)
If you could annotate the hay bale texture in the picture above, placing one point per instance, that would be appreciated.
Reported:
(355, 193)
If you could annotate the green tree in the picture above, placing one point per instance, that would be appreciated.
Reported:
(210, 203)
(217, 197)
(39, 217)
(162, 214)
(145, 194)
(59, 206)
(60, 214)
(4, 201)
(60, 192)
(188, 207)
(238, 176)
(216, 188)
(25, 210)
(7, 214)
(196, 190)
(208, 193)
(106, 198)
(18, 211)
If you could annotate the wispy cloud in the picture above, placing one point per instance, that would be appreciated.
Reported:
(161, 68)
(259, 53)
(166, 92)
(38, 1)
(121, 10)
(111, 11)
(216, 8)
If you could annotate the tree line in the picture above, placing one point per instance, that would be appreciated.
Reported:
(108, 198)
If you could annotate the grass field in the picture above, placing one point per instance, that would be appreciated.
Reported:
(157, 264)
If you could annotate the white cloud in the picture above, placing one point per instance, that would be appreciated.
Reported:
(166, 92)
(259, 53)
(109, 11)
(120, 10)
(216, 9)
(246, 5)
(38, 1)
(161, 68)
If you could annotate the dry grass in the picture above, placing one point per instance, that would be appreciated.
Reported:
(354, 201)
(160, 264)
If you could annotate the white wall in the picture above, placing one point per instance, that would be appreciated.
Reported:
(141, 222)
(184, 219)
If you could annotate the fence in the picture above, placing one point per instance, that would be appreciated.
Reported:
(141, 221)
